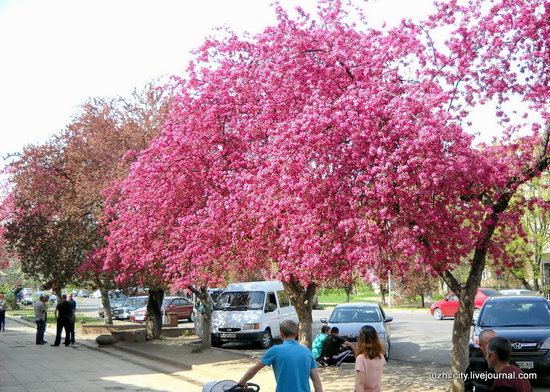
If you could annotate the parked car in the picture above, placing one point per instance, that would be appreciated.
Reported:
(349, 318)
(251, 312)
(131, 304)
(116, 300)
(448, 306)
(83, 294)
(179, 306)
(516, 292)
(525, 321)
(27, 300)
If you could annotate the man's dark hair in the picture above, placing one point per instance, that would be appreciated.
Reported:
(334, 330)
(501, 347)
(325, 329)
(64, 297)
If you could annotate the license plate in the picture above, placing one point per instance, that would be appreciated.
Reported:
(228, 335)
(526, 364)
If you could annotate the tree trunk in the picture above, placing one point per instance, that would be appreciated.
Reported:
(302, 300)
(536, 273)
(106, 305)
(154, 311)
(383, 294)
(422, 300)
(349, 289)
(466, 295)
(205, 314)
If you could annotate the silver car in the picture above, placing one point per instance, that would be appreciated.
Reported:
(349, 318)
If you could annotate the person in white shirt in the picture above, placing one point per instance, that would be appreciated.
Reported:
(40, 318)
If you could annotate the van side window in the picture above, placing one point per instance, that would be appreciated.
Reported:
(271, 303)
(284, 301)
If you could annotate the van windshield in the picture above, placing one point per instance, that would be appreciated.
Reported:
(240, 300)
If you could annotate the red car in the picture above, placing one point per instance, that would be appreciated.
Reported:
(180, 306)
(448, 306)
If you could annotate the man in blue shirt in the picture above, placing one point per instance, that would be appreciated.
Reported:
(293, 364)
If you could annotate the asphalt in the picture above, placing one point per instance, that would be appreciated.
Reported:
(171, 364)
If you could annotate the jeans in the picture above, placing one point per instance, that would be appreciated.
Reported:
(2, 319)
(71, 332)
(40, 329)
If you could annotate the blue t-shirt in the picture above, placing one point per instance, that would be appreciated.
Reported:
(292, 364)
(73, 304)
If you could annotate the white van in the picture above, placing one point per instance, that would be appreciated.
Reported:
(251, 312)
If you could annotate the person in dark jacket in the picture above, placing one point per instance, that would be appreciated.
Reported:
(336, 349)
(478, 368)
(63, 315)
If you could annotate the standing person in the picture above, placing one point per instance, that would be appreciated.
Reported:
(319, 342)
(369, 362)
(63, 315)
(40, 318)
(336, 348)
(73, 319)
(3, 309)
(498, 358)
(478, 364)
(293, 364)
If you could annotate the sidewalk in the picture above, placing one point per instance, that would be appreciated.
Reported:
(184, 361)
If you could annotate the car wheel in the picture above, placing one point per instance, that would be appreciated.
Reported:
(438, 314)
(267, 340)
(216, 343)
(191, 318)
(387, 353)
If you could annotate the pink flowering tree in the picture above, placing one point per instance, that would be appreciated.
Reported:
(317, 147)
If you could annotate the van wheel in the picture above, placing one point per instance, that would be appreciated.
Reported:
(267, 340)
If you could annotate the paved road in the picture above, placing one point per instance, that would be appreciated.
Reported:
(415, 337)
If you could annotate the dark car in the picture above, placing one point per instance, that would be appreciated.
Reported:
(525, 321)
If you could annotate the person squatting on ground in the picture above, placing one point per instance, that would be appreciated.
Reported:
(319, 342)
(293, 364)
(64, 316)
(369, 361)
(3, 309)
(73, 307)
(40, 318)
(336, 349)
(498, 354)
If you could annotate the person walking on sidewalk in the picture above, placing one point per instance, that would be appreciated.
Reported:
(73, 307)
(3, 309)
(63, 315)
(40, 318)
(293, 364)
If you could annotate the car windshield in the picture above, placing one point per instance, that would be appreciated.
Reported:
(134, 302)
(490, 292)
(240, 300)
(512, 314)
(355, 315)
